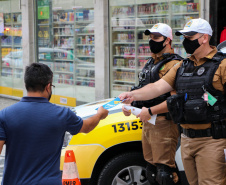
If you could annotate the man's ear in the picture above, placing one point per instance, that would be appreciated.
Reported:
(206, 38)
(48, 87)
(167, 41)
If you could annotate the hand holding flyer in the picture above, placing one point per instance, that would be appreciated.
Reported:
(112, 103)
(135, 111)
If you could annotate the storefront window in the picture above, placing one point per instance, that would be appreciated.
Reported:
(11, 66)
(65, 32)
(129, 48)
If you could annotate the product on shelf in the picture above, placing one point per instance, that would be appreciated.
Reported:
(65, 54)
(67, 30)
(151, 21)
(144, 50)
(122, 87)
(125, 50)
(124, 62)
(63, 78)
(84, 15)
(85, 73)
(6, 40)
(85, 82)
(86, 50)
(88, 39)
(64, 66)
(63, 42)
(123, 11)
(155, 8)
(7, 18)
(63, 16)
(126, 76)
(192, 7)
(125, 37)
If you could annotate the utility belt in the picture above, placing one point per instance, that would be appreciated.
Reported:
(196, 133)
(217, 131)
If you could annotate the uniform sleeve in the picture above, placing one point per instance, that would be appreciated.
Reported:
(2, 127)
(223, 71)
(164, 70)
(171, 75)
(74, 123)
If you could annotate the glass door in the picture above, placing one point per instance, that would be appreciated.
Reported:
(66, 44)
(129, 48)
(11, 49)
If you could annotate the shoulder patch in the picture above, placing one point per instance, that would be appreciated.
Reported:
(162, 67)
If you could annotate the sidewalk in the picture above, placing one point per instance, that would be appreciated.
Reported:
(5, 102)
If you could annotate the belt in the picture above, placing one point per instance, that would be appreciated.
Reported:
(196, 133)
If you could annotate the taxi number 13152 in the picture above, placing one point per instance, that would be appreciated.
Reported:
(121, 127)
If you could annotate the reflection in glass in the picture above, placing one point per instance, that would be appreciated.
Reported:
(11, 49)
(66, 44)
(129, 47)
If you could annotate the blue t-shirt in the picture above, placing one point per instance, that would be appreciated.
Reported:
(33, 130)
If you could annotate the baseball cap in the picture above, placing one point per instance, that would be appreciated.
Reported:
(160, 29)
(195, 26)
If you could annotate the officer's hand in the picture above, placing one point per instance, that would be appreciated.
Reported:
(102, 112)
(144, 115)
(125, 111)
(127, 97)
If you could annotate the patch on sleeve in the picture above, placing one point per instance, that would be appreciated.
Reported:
(162, 67)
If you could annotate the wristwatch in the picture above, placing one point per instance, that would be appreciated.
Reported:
(149, 110)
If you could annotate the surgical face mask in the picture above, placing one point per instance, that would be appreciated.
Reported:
(156, 47)
(191, 45)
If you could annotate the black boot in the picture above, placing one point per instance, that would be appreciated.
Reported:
(151, 172)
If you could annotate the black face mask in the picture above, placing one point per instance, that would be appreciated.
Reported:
(191, 45)
(50, 96)
(156, 47)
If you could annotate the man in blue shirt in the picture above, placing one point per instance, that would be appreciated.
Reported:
(33, 131)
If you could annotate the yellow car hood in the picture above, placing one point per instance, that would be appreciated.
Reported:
(114, 129)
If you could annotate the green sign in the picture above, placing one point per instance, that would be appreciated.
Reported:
(43, 12)
(43, 9)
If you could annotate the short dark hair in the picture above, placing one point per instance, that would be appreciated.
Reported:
(37, 76)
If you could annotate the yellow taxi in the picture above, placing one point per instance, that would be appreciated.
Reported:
(111, 154)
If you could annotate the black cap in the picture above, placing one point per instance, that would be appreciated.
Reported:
(190, 33)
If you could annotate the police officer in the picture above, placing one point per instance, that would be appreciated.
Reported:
(159, 141)
(199, 106)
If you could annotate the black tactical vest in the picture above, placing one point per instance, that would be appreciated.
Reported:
(191, 83)
(150, 74)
